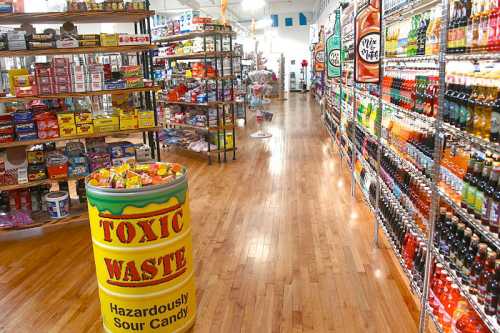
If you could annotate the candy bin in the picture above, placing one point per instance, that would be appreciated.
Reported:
(57, 165)
(123, 198)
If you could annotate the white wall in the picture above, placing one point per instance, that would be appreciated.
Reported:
(293, 42)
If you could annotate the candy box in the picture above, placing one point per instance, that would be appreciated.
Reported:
(25, 127)
(61, 71)
(107, 124)
(62, 80)
(94, 86)
(36, 172)
(25, 91)
(60, 62)
(27, 136)
(67, 131)
(22, 116)
(74, 149)
(99, 160)
(131, 71)
(48, 134)
(78, 170)
(77, 160)
(109, 39)
(23, 80)
(58, 171)
(128, 122)
(78, 87)
(114, 85)
(83, 118)
(138, 39)
(66, 119)
(63, 88)
(120, 161)
(83, 129)
(134, 82)
(35, 155)
(143, 153)
(146, 119)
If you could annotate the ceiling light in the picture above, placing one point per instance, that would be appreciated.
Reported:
(253, 4)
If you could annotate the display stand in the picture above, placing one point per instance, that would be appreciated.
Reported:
(146, 96)
(258, 102)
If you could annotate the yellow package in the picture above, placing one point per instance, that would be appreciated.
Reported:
(13, 73)
(109, 39)
(66, 119)
(128, 122)
(67, 131)
(107, 124)
(146, 119)
(83, 118)
(83, 129)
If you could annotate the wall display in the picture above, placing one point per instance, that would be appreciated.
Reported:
(367, 37)
(333, 46)
(426, 136)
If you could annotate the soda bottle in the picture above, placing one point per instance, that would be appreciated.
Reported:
(486, 275)
(492, 291)
(477, 268)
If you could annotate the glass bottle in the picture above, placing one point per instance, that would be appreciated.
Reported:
(486, 275)
(469, 259)
(492, 291)
(477, 268)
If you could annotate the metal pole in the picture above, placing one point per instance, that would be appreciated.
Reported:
(233, 98)
(378, 125)
(436, 167)
(340, 87)
(354, 111)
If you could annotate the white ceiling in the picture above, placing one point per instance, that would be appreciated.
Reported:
(236, 12)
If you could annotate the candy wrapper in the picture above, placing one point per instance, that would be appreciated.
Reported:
(136, 175)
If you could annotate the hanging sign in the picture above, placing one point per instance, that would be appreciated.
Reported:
(319, 53)
(367, 37)
(333, 49)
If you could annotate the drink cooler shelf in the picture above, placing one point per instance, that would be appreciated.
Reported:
(490, 321)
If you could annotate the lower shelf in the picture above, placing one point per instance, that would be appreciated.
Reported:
(42, 220)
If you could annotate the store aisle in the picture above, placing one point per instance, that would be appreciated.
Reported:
(279, 244)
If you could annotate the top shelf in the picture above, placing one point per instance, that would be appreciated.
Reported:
(191, 35)
(76, 17)
(409, 9)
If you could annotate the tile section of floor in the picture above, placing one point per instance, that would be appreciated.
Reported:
(280, 246)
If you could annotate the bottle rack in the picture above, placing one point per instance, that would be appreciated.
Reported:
(428, 175)
(146, 95)
(223, 79)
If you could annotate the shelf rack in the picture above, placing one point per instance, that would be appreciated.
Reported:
(348, 112)
(143, 54)
(217, 33)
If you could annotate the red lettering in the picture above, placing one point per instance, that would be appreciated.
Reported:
(107, 226)
(147, 228)
(164, 226)
(177, 222)
(180, 258)
(149, 269)
(131, 272)
(167, 267)
(128, 236)
(114, 268)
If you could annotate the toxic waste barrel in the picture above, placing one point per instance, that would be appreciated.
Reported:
(143, 256)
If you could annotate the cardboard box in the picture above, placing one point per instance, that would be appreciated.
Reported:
(146, 119)
(65, 131)
(82, 129)
(109, 39)
(78, 87)
(66, 119)
(128, 122)
(106, 124)
(83, 118)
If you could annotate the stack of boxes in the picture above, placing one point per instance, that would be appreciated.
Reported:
(78, 78)
(78, 166)
(47, 125)
(95, 77)
(16, 40)
(128, 119)
(133, 76)
(24, 126)
(146, 119)
(6, 128)
(84, 123)
(121, 152)
(36, 163)
(62, 75)
(67, 126)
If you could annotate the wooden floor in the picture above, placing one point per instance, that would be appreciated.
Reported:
(280, 246)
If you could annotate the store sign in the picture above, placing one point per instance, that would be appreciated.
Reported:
(319, 53)
(367, 37)
(333, 48)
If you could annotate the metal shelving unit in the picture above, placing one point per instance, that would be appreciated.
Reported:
(216, 56)
(429, 174)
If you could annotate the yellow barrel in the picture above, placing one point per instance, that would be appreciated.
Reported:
(143, 256)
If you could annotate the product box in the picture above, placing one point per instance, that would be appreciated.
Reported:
(67, 43)
(83, 118)
(61, 71)
(46, 89)
(82, 129)
(109, 39)
(106, 124)
(62, 88)
(60, 62)
(66, 119)
(94, 86)
(128, 122)
(78, 78)
(138, 39)
(146, 119)
(119, 161)
(66, 131)
(78, 87)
